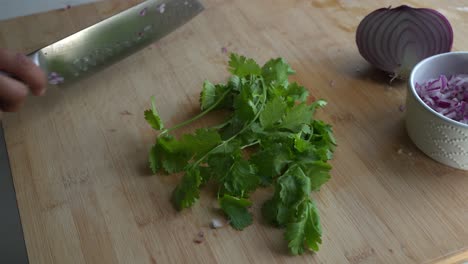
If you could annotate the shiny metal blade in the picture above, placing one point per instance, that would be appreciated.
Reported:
(113, 39)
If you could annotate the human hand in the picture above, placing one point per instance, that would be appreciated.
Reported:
(28, 77)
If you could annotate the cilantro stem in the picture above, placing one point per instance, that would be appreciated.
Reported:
(217, 127)
(200, 115)
(264, 99)
(251, 144)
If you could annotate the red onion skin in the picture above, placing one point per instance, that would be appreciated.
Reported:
(380, 37)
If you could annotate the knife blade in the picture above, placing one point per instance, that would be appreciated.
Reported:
(111, 40)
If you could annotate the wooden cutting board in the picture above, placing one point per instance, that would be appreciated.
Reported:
(78, 155)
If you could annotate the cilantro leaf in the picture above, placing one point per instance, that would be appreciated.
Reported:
(295, 92)
(291, 188)
(234, 83)
(211, 94)
(188, 191)
(208, 95)
(292, 207)
(273, 113)
(270, 211)
(201, 142)
(232, 146)
(171, 160)
(294, 185)
(173, 155)
(237, 176)
(206, 174)
(246, 104)
(236, 209)
(271, 160)
(245, 108)
(220, 164)
(300, 115)
(323, 139)
(301, 144)
(318, 173)
(155, 163)
(295, 233)
(241, 179)
(319, 103)
(242, 67)
(152, 116)
(232, 127)
(276, 72)
(191, 145)
(314, 228)
(291, 93)
(304, 230)
(297, 117)
(174, 163)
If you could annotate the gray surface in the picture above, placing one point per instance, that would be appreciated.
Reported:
(12, 245)
(15, 8)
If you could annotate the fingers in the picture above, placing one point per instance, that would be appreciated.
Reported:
(24, 69)
(27, 77)
(12, 94)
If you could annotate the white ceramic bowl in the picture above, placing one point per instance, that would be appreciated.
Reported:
(439, 137)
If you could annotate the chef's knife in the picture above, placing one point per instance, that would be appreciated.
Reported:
(113, 39)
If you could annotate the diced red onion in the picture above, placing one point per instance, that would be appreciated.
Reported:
(396, 39)
(447, 96)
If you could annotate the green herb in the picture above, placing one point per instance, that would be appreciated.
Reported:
(270, 138)
(236, 210)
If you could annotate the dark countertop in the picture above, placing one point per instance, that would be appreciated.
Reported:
(12, 245)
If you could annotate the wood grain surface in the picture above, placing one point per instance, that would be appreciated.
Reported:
(78, 155)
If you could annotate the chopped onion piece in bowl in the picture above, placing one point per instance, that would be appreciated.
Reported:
(447, 95)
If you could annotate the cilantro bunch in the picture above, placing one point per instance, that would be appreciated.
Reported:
(270, 139)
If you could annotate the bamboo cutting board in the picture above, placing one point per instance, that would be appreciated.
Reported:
(78, 155)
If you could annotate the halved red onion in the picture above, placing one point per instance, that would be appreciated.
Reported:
(447, 96)
(396, 39)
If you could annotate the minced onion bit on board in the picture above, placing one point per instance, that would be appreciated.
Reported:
(447, 96)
